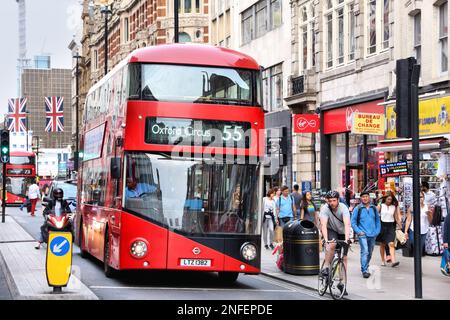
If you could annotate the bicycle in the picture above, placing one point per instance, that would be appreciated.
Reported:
(336, 280)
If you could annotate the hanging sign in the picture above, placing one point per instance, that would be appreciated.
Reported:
(306, 123)
(368, 123)
(394, 169)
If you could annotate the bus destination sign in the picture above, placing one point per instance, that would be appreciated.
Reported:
(195, 132)
(394, 169)
(18, 171)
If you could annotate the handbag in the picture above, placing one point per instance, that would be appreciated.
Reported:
(445, 263)
(400, 238)
(278, 234)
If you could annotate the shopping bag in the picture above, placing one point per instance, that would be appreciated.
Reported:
(278, 234)
(445, 263)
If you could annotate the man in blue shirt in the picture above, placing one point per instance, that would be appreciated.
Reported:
(366, 224)
(135, 190)
(285, 207)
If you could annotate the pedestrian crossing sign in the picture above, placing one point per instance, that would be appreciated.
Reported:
(59, 258)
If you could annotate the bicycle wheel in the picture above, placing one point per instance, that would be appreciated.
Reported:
(338, 279)
(323, 281)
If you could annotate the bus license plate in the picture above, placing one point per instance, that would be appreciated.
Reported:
(195, 263)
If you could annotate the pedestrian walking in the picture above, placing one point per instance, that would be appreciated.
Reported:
(33, 195)
(269, 218)
(430, 198)
(308, 210)
(277, 191)
(285, 207)
(425, 219)
(297, 199)
(390, 221)
(366, 224)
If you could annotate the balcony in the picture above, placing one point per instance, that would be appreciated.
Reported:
(302, 91)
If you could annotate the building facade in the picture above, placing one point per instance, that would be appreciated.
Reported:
(38, 83)
(262, 30)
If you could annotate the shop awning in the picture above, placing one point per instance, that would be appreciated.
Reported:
(406, 145)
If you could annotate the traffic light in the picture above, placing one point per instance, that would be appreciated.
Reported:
(4, 146)
(407, 74)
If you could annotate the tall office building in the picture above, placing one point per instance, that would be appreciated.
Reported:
(37, 84)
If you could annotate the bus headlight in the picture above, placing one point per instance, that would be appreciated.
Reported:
(139, 249)
(248, 251)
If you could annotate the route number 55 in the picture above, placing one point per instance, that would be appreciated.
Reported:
(228, 134)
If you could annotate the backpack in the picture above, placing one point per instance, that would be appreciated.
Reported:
(358, 218)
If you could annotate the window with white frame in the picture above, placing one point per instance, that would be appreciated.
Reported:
(372, 26)
(377, 25)
(308, 37)
(126, 30)
(260, 18)
(329, 20)
(351, 31)
(418, 37)
(339, 32)
(443, 37)
(386, 32)
(273, 87)
(247, 26)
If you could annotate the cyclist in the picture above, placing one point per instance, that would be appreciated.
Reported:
(335, 225)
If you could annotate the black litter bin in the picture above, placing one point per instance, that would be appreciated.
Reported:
(301, 248)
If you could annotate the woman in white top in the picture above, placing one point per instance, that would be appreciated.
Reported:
(269, 206)
(425, 218)
(390, 219)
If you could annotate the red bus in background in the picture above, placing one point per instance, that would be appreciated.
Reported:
(172, 145)
(20, 170)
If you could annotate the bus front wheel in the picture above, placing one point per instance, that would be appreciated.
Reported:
(228, 277)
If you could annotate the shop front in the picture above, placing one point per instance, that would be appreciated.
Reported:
(348, 162)
(434, 129)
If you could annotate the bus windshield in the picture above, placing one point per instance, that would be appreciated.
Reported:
(196, 84)
(21, 160)
(193, 196)
(17, 185)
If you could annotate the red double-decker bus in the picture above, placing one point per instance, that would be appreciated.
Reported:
(171, 176)
(20, 170)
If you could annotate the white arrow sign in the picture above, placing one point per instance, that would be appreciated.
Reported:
(57, 248)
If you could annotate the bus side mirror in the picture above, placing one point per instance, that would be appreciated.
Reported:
(96, 196)
(115, 168)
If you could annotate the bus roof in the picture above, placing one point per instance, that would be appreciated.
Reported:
(194, 54)
(21, 154)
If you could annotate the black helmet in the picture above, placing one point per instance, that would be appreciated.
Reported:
(58, 193)
(332, 194)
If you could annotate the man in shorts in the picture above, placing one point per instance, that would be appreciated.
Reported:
(335, 225)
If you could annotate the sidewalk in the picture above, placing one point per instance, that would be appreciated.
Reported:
(386, 283)
(24, 268)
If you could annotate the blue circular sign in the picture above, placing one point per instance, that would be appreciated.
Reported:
(60, 246)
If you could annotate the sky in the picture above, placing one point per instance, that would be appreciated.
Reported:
(51, 26)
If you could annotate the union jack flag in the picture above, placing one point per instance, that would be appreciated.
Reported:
(54, 114)
(17, 114)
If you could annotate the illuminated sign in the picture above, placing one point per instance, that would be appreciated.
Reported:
(18, 171)
(193, 132)
(394, 169)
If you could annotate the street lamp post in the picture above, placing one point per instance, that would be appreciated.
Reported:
(105, 10)
(76, 113)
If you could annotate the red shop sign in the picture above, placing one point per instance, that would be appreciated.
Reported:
(306, 123)
(340, 120)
